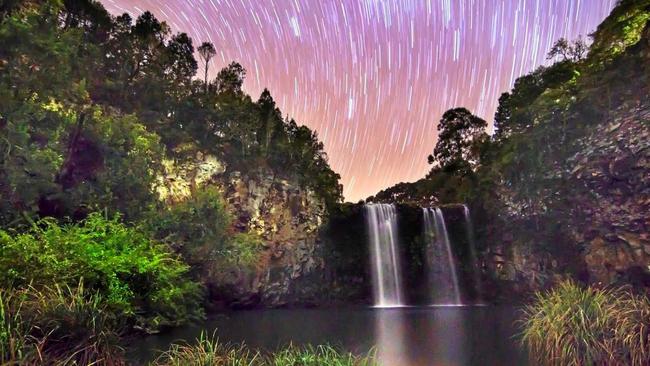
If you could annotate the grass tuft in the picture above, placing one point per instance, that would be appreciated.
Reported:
(208, 351)
(572, 325)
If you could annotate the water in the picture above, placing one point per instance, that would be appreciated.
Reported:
(442, 264)
(386, 271)
(469, 229)
(407, 336)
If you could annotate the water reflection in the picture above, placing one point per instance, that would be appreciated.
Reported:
(406, 336)
(413, 337)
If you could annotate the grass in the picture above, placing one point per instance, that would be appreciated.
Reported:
(207, 351)
(59, 326)
(572, 325)
(14, 330)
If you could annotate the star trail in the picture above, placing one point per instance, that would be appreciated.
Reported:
(373, 77)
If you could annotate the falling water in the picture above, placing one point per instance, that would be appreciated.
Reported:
(472, 251)
(444, 277)
(382, 227)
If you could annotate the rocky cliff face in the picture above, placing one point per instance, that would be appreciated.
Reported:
(286, 217)
(604, 221)
(614, 206)
(607, 233)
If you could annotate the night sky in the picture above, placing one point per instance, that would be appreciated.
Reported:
(373, 77)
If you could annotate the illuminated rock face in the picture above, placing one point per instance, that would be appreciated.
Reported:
(286, 216)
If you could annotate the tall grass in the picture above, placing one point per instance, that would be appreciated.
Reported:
(57, 326)
(317, 356)
(572, 325)
(14, 330)
(207, 351)
(73, 327)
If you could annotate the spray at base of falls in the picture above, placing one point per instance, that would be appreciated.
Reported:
(442, 263)
(384, 248)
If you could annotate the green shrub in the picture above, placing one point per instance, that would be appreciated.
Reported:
(134, 276)
(199, 229)
(242, 250)
(208, 351)
(571, 325)
(196, 228)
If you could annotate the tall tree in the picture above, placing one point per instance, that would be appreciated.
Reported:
(459, 131)
(207, 52)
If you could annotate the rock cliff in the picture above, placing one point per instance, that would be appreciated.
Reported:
(285, 216)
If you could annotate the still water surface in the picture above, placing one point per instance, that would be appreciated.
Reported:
(408, 336)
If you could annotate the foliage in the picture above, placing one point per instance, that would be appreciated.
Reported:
(459, 134)
(63, 326)
(196, 228)
(622, 28)
(199, 229)
(242, 251)
(571, 325)
(134, 276)
(73, 326)
(568, 51)
(208, 351)
(316, 356)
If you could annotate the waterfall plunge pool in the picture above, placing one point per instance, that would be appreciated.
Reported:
(404, 336)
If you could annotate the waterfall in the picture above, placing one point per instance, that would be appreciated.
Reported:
(442, 266)
(382, 228)
(478, 287)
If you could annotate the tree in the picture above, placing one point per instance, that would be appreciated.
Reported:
(458, 133)
(231, 79)
(568, 51)
(207, 52)
(271, 121)
(502, 117)
(181, 61)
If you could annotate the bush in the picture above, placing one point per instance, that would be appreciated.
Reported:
(208, 351)
(196, 228)
(133, 275)
(242, 250)
(571, 325)
(199, 229)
